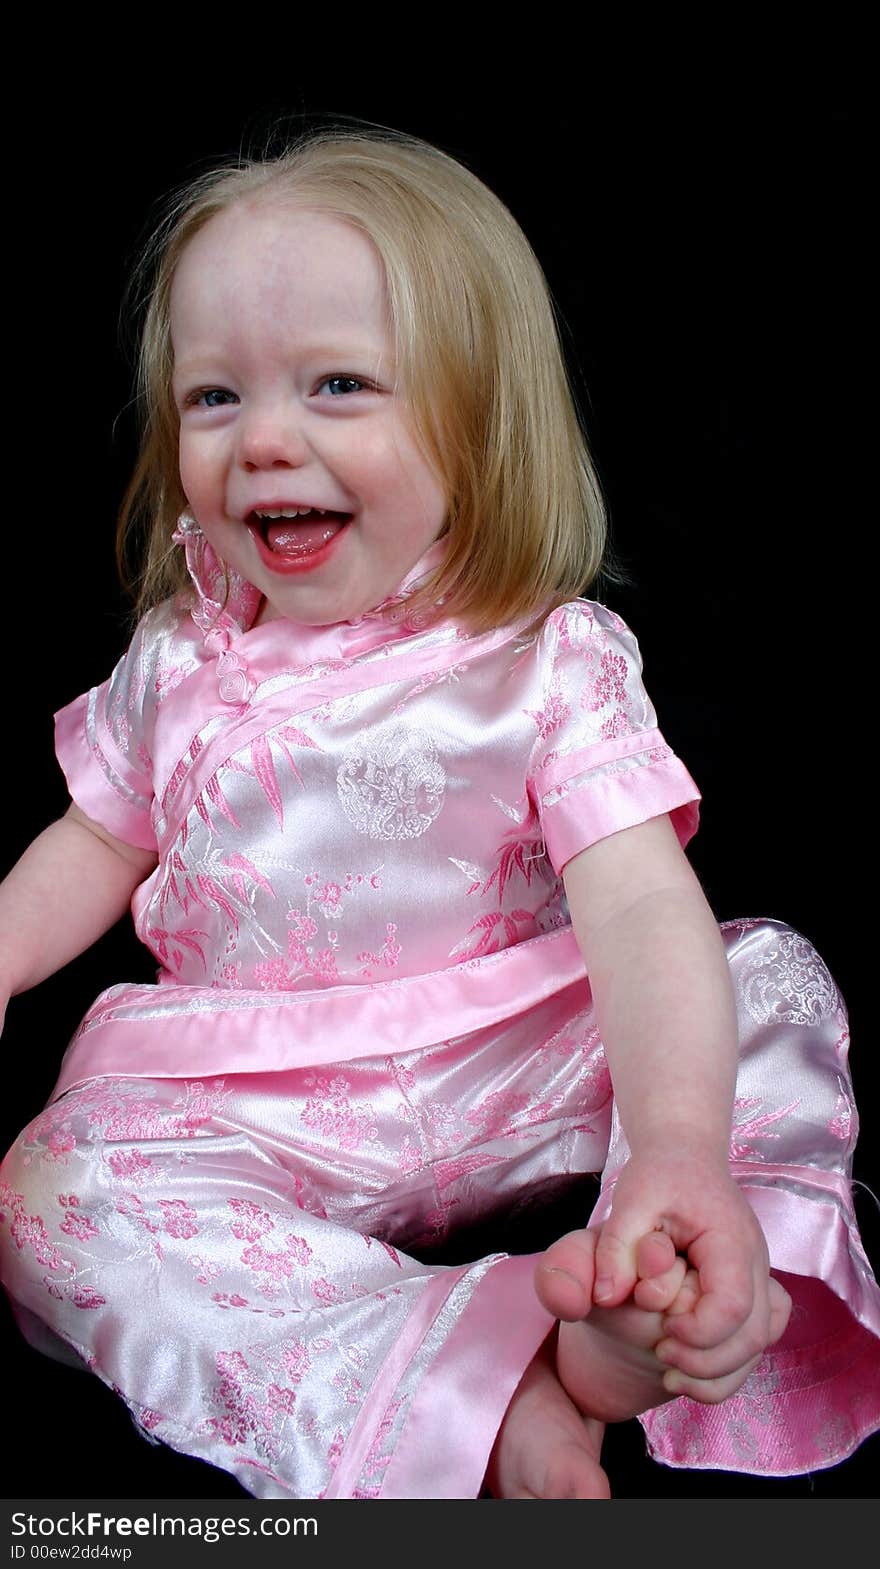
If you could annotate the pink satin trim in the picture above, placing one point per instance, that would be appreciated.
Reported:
(585, 758)
(467, 1391)
(363, 1433)
(216, 1031)
(810, 1238)
(89, 786)
(611, 803)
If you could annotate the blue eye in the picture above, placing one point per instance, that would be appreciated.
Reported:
(351, 380)
(215, 397)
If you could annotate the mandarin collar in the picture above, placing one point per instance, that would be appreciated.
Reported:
(227, 606)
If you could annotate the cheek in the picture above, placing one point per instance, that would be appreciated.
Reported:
(198, 479)
(186, 466)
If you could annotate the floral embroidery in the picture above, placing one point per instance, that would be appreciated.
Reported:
(329, 901)
(74, 1224)
(297, 1360)
(249, 1413)
(617, 724)
(389, 955)
(252, 1221)
(179, 1218)
(60, 1142)
(131, 1207)
(329, 1110)
(278, 1266)
(273, 975)
(834, 1438)
(130, 1164)
(29, 1231)
(555, 712)
(206, 1270)
(326, 1292)
(86, 1298)
(610, 685)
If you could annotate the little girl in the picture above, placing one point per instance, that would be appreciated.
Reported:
(392, 811)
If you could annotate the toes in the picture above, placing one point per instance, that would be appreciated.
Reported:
(655, 1255)
(660, 1292)
(564, 1276)
(620, 1267)
(661, 1274)
(688, 1295)
(571, 1473)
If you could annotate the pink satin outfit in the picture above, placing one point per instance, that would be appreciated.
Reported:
(372, 1028)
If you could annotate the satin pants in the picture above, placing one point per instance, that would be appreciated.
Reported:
(250, 1260)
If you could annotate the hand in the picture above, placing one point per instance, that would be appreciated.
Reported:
(729, 1308)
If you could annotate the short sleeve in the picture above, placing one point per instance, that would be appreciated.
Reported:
(104, 739)
(600, 764)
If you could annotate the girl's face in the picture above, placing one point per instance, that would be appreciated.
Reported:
(283, 378)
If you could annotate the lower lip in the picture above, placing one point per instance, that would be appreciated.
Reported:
(287, 565)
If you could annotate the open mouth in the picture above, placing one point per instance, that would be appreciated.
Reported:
(296, 544)
(298, 536)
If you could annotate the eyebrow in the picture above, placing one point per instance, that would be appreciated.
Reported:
(360, 350)
(341, 357)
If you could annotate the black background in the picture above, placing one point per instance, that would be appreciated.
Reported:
(704, 246)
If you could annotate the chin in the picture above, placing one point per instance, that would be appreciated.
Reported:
(313, 617)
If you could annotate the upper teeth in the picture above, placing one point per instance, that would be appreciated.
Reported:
(293, 512)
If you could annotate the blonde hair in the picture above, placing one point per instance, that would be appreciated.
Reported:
(480, 365)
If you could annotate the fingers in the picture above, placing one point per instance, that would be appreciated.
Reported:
(733, 1277)
(740, 1351)
(709, 1391)
(780, 1310)
(713, 1375)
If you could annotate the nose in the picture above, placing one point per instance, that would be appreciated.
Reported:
(271, 436)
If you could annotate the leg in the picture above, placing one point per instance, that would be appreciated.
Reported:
(815, 1394)
(211, 1275)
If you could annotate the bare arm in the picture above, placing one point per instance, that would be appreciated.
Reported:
(661, 986)
(70, 886)
(665, 1010)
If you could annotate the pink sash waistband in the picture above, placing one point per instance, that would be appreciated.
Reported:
(177, 1032)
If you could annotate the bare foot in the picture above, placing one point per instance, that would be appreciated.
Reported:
(565, 1276)
(586, 1374)
(545, 1448)
(600, 1365)
(607, 1358)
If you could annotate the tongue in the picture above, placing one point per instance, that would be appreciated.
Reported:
(300, 536)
